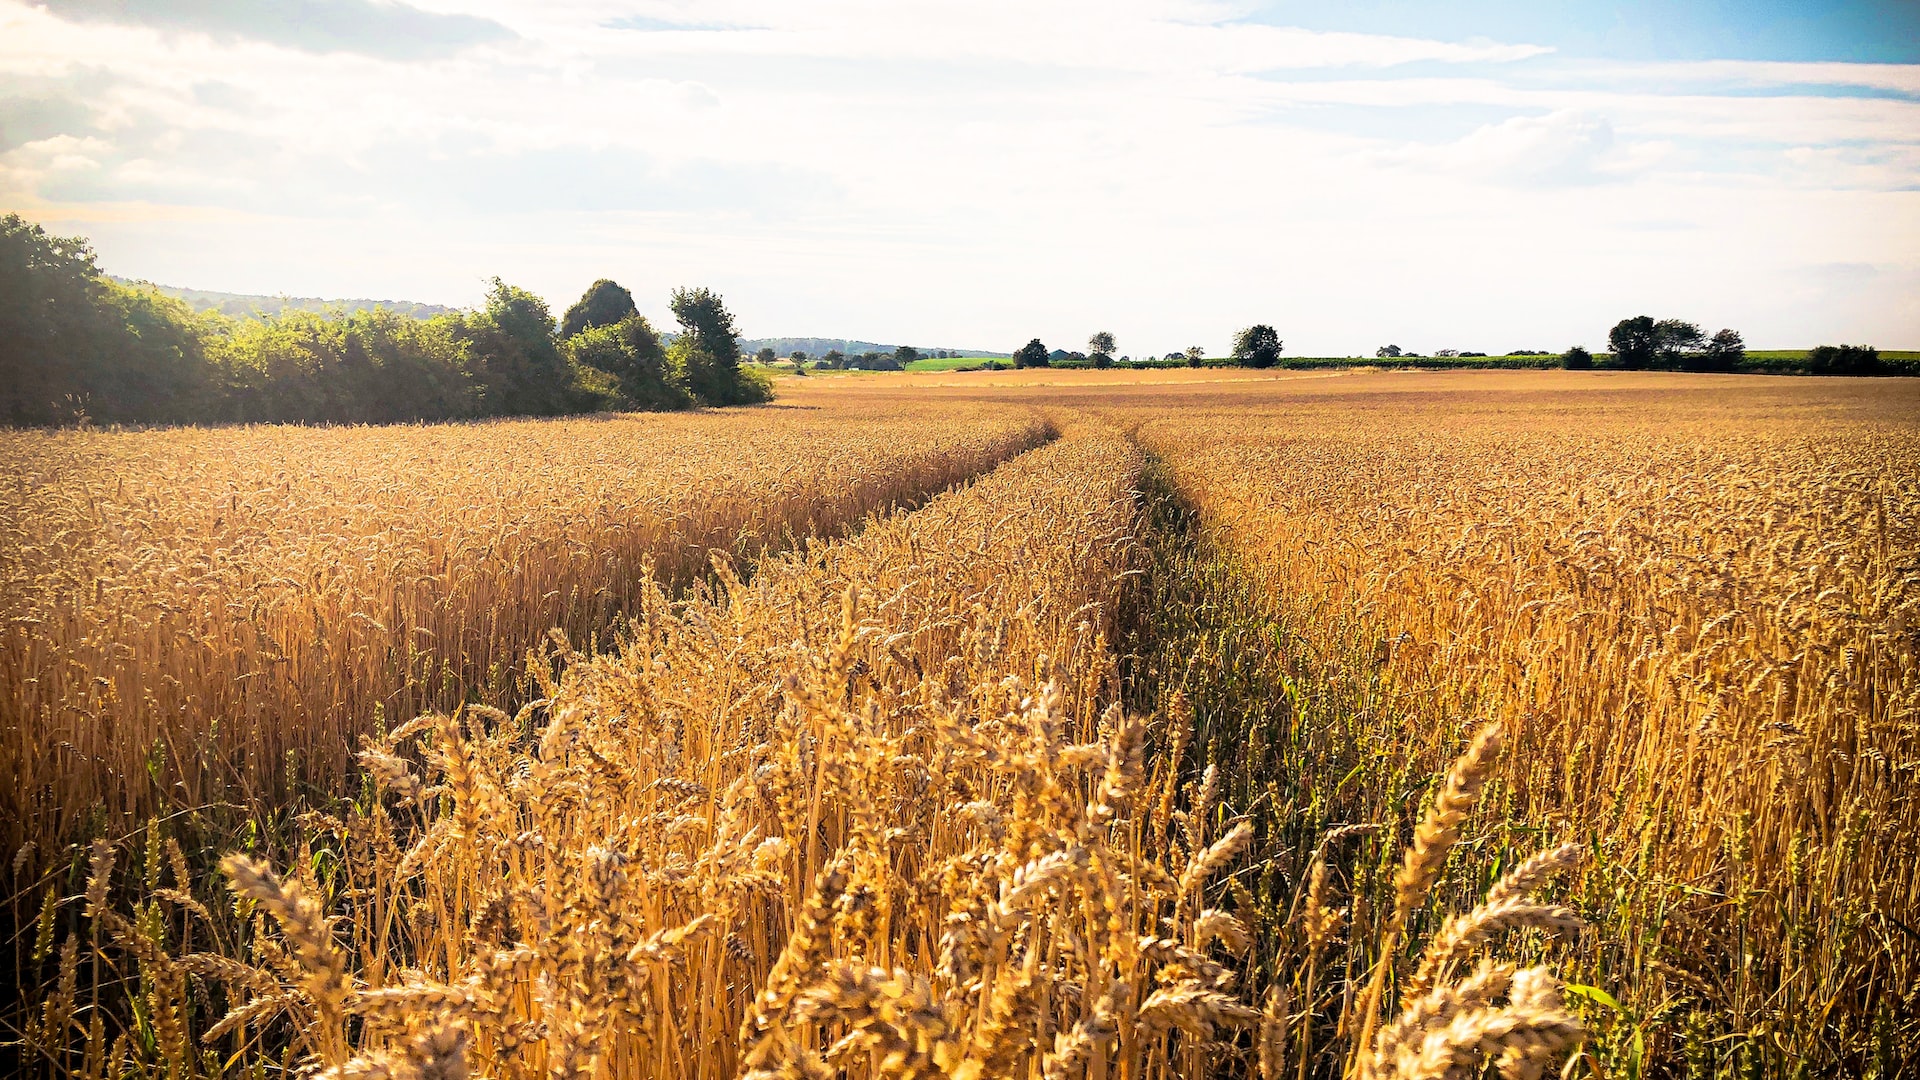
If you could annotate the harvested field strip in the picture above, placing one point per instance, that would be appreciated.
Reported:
(1725, 714)
(197, 617)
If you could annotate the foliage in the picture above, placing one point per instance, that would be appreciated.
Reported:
(631, 353)
(1032, 354)
(1576, 358)
(1100, 349)
(1387, 352)
(75, 347)
(1196, 356)
(1257, 346)
(707, 350)
(1844, 360)
(1641, 342)
(365, 367)
(603, 304)
(1633, 342)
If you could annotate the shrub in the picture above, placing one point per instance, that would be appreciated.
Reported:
(1576, 359)
(1844, 360)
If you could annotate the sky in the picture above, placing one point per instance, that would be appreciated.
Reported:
(1487, 175)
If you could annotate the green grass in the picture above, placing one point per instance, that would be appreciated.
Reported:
(955, 363)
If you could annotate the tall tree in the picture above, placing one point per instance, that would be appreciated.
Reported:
(708, 350)
(1257, 346)
(1196, 356)
(1634, 342)
(630, 352)
(1032, 354)
(1100, 349)
(603, 304)
(1724, 351)
(515, 355)
(1675, 338)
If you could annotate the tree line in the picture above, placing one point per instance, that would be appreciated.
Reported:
(1257, 346)
(78, 347)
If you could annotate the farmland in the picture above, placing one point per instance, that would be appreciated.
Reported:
(1122, 724)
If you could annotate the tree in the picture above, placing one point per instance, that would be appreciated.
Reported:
(1633, 342)
(1387, 352)
(1576, 359)
(1196, 356)
(1100, 349)
(603, 304)
(834, 358)
(516, 358)
(75, 345)
(1724, 351)
(708, 350)
(798, 357)
(1032, 354)
(905, 354)
(1257, 346)
(1844, 360)
(1674, 339)
(766, 355)
(630, 353)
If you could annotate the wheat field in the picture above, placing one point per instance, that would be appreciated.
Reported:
(1375, 726)
(1695, 617)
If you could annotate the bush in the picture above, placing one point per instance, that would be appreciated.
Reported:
(1576, 359)
(1844, 360)
(1032, 354)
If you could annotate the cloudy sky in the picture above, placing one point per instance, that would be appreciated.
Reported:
(1486, 175)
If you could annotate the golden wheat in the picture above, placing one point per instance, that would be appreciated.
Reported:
(197, 616)
(1693, 603)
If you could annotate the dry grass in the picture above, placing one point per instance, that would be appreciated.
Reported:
(197, 616)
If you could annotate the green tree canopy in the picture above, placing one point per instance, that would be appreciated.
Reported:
(708, 350)
(603, 304)
(1633, 342)
(1100, 348)
(630, 352)
(1674, 339)
(1257, 346)
(515, 356)
(1032, 354)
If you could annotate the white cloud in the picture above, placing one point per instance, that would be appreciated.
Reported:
(978, 173)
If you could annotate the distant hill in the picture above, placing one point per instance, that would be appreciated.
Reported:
(243, 306)
(817, 347)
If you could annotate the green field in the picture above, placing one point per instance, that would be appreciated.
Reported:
(954, 363)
